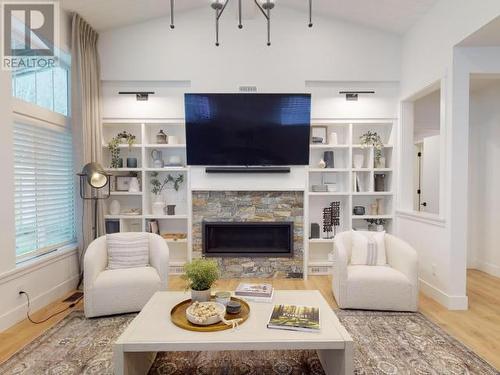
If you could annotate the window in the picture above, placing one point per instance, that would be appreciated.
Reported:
(47, 88)
(44, 188)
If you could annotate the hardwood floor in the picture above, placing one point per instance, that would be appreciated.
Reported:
(478, 328)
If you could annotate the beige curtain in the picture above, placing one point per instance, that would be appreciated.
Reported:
(86, 118)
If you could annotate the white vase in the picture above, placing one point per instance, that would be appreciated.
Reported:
(133, 186)
(380, 228)
(333, 138)
(380, 163)
(114, 207)
(158, 208)
(200, 295)
(358, 161)
(322, 164)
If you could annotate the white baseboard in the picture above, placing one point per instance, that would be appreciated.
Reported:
(37, 302)
(450, 302)
(489, 268)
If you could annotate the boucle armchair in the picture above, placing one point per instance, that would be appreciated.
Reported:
(390, 287)
(118, 291)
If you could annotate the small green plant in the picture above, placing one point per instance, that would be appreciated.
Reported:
(201, 274)
(157, 186)
(114, 146)
(373, 139)
(376, 221)
(128, 137)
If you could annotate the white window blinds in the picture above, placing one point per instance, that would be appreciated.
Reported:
(44, 188)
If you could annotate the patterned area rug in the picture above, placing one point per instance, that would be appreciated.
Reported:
(386, 343)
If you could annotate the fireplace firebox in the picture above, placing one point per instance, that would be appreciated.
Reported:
(247, 239)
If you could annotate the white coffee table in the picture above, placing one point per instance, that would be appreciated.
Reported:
(152, 331)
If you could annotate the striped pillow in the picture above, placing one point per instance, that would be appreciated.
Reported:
(368, 248)
(127, 250)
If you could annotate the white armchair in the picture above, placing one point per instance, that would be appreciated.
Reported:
(118, 291)
(390, 287)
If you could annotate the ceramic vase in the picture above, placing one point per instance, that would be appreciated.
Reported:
(328, 157)
(114, 207)
(131, 162)
(380, 206)
(158, 208)
(358, 161)
(200, 295)
(380, 163)
(380, 228)
(322, 164)
(170, 209)
(334, 140)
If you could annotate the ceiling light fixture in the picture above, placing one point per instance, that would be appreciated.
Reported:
(353, 95)
(219, 6)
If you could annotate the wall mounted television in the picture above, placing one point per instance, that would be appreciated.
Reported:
(247, 129)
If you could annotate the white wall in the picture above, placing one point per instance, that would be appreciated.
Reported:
(429, 55)
(484, 179)
(331, 50)
(428, 47)
(44, 280)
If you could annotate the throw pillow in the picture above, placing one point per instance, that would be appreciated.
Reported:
(368, 248)
(127, 250)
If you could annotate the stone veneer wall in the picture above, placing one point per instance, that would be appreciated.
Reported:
(252, 206)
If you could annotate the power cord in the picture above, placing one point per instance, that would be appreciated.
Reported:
(73, 304)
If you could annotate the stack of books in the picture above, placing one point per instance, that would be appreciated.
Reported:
(295, 318)
(255, 292)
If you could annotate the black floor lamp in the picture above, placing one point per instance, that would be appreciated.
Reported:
(93, 179)
(94, 176)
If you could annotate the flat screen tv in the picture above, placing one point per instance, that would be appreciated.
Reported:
(247, 129)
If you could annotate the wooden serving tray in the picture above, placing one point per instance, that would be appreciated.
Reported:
(178, 317)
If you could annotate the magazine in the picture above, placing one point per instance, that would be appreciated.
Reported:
(295, 318)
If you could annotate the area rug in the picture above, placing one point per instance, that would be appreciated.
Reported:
(385, 343)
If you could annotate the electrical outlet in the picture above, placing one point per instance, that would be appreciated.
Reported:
(20, 289)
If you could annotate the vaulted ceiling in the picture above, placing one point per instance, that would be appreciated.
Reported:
(396, 16)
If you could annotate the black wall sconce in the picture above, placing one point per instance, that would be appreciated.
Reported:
(139, 95)
(353, 95)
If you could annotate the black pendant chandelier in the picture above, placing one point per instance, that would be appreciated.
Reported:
(265, 7)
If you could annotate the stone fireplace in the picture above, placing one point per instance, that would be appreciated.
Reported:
(253, 208)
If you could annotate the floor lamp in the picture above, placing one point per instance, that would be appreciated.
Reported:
(94, 177)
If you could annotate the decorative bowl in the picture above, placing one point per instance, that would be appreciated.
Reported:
(233, 307)
(218, 309)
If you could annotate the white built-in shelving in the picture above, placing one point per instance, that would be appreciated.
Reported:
(343, 175)
(145, 131)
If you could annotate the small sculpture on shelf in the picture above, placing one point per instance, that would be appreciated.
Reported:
(331, 219)
(161, 137)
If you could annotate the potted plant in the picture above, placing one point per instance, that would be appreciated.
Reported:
(380, 224)
(126, 137)
(201, 274)
(371, 138)
(114, 147)
(158, 207)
